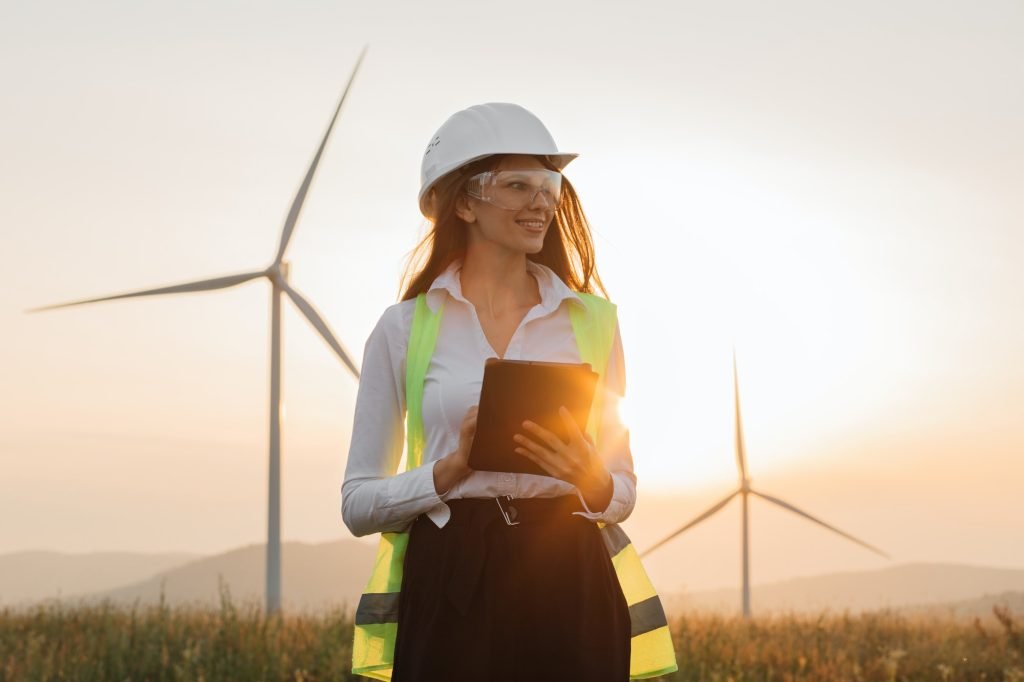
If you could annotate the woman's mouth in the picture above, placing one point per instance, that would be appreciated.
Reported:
(532, 225)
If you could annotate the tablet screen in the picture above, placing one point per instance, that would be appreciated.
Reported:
(517, 390)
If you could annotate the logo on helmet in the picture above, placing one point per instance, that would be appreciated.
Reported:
(433, 143)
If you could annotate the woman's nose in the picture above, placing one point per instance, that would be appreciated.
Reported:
(546, 199)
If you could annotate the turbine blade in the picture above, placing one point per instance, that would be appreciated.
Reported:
(741, 453)
(318, 322)
(694, 522)
(201, 285)
(300, 197)
(793, 509)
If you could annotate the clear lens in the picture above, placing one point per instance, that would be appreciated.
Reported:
(517, 189)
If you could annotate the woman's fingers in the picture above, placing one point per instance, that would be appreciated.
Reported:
(531, 447)
(546, 437)
(552, 461)
(542, 463)
(563, 460)
(470, 418)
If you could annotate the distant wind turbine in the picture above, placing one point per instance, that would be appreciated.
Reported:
(744, 489)
(277, 274)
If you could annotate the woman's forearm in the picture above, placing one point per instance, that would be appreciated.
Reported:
(379, 504)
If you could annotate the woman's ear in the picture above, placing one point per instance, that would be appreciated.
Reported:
(463, 210)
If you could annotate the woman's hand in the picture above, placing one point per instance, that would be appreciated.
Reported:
(454, 467)
(575, 462)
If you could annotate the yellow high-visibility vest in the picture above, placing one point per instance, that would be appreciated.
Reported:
(376, 620)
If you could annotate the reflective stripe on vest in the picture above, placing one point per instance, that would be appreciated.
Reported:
(376, 620)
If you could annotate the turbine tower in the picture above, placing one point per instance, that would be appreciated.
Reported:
(745, 489)
(277, 274)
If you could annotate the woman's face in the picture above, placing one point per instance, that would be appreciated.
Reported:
(523, 230)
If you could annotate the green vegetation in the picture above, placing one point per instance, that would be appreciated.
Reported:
(107, 643)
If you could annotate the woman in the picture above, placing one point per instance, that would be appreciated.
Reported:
(496, 576)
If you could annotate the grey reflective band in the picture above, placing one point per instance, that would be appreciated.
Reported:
(615, 538)
(646, 615)
(377, 607)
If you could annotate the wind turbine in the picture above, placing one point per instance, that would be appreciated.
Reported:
(277, 274)
(745, 489)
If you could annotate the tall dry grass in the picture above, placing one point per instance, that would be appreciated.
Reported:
(92, 643)
(883, 645)
(107, 643)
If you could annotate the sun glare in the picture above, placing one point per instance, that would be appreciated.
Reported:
(624, 411)
(758, 267)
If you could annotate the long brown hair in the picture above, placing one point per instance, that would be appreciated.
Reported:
(568, 249)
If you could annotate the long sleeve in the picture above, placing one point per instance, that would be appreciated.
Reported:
(613, 443)
(373, 498)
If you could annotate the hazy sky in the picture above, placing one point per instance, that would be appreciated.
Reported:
(835, 190)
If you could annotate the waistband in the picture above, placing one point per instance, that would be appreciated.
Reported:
(520, 509)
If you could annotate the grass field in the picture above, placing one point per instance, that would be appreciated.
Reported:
(60, 642)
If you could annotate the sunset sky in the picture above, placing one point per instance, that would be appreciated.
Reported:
(833, 190)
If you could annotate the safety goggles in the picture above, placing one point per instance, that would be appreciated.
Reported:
(516, 189)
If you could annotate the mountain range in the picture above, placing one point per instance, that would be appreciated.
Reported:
(331, 575)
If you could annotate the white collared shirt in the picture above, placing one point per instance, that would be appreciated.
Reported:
(375, 499)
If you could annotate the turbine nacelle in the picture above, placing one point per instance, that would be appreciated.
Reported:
(278, 273)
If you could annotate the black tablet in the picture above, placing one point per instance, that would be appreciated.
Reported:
(516, 390)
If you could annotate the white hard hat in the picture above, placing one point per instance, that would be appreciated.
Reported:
(482, 130)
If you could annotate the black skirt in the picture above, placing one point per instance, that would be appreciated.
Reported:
(483, 600)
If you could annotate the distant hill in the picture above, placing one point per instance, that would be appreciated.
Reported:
(916, 585)
(315, 577)
(319, 577)
(969, 609)
(30, 576)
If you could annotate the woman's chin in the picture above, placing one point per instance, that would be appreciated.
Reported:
(530, 244)
(535, 248)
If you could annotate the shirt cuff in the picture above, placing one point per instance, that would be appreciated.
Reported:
(439, 514)
(415, 494)
(613, 513)
(411, 493)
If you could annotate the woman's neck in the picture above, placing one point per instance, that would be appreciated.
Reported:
(498, 281)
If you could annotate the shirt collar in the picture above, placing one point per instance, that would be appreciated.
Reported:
(552, 289)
